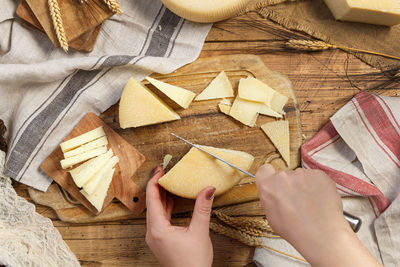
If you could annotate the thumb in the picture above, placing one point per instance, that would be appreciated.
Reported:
(202, 210)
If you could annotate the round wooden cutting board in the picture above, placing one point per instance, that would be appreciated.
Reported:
(201, 123)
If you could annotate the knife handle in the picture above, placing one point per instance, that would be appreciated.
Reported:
(355, 222)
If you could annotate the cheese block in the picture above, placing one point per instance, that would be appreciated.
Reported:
(92, 184)
(179, 95)
(381, 12)
(206, 10)
(197, 170)
(87, 170)
(139, 106)
(265, 110)
(245, 111)
(68, 162)
(220, 87)
(98, 196)
(278, 133)
(102, 141)
(82, 139)
(278, 102)
(224, 108)
(255, 90)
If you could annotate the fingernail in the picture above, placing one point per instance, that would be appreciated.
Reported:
(210, 194)
(157, 170)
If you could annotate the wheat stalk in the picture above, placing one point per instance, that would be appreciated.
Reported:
(309, 45)
(243, 222)
(246, 239)
(114, 6)
(58, 24)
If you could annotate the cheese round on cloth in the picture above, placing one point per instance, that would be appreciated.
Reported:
(197, 170)
(206, 10)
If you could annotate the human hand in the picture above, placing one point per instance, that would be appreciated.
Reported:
(304, 207)
(175, 246)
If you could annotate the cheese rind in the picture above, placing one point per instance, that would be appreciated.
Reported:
(220, 87)
(92, 184)
(139, 106)
(179, 95)
(82, 139)
(278, 133)
(245, 111)
(380, 12)
(97, 197)
(102, 141)
(68, 162)
(197, 170)
(82, 174)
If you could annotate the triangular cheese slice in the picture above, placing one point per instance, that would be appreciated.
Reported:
(265, 110)
(98, 196)
(179, 95)
(139, 106)
(220, 87)
(245, 111)
(197, 170)
(252, 89)
(87, 170)
(278, 133)
(224, 108)
(278, 102)
(92, 184)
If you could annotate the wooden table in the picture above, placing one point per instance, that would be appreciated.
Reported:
(323, 83)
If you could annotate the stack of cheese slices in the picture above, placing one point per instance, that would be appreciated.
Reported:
(95, 174)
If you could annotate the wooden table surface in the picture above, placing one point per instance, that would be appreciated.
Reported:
(323, 83)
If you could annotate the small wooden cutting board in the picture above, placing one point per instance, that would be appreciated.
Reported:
(122, 186)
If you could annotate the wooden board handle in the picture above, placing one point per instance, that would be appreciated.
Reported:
(132, 196)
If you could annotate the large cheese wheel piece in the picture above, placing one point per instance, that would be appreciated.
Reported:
(381, 12)
(278, 133)
(197, 170)
(139, 106)
(179, 95)
(220, 87)
(206, 10)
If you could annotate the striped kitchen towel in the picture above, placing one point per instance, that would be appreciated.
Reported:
(45, 92)
(360, 150)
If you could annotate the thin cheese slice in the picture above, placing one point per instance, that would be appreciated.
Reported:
(255, 90)
(98, 196)
(102, 141)
(179, 95)
(167, 158)
(197, 170)
(265, 110)
(381, 12)
(68, 162)
(278, 133)
(226, 102)
(82, 139)
(92, 184)
(139, 106)
(220, 87)
(224, 108)
(278, 102)
(87, 170)
(245, 111)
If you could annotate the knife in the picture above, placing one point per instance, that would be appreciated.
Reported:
(355, 222)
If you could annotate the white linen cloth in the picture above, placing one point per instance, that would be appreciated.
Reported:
(360, 150)
(44, 92)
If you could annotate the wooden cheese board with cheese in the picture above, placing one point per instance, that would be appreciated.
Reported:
(202, 123)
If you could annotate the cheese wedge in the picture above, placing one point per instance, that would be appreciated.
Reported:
(245, 111)
(252, 89)
(224, 108)
(265, 110)
(278, 133)
(197, 170)
(82, 139)
(102, 141)
(98, 196)
(179, 95)
(380, 12)
(139, 106)
(278, 102)
(220, 87)
(68, 162)
(92, 184)
(87, 170)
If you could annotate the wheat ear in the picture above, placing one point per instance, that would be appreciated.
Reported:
(114, 6)
(58, 24)
(308, 45)
(243, 222)
(246, 239)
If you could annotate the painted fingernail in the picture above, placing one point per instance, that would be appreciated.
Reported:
(157, 170)
(210, 194)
